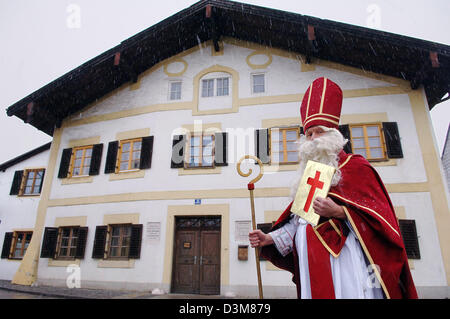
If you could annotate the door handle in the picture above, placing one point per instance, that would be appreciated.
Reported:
(195, 260)
(201, 260)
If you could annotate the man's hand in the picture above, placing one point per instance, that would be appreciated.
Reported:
(326, 207)
(259, 239)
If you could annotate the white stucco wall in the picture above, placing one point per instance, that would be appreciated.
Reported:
(17, 212)
(283, 76)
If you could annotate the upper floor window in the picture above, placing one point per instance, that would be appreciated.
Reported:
(81, 161)
(258, 83)
(283, 146)
(27, 182)
(201, 150)
(221, 84)
(33, 181)
(367, 140)
(175, 90)
(130, 154)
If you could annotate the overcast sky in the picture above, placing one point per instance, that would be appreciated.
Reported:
(44, 39)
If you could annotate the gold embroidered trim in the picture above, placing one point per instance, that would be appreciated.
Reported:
(309, 99)
(335, 228)
(366, 208)
(320, 118)
(325, 244)
(323, 94)
(346, 161)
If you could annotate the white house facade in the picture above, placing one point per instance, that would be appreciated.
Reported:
(141, 189)
(21, 181)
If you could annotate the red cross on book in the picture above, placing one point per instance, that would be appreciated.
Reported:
(316, 181)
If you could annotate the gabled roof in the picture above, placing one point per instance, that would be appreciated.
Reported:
(418, 61)
(25, 156)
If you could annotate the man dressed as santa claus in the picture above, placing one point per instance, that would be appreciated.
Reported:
(356, 250)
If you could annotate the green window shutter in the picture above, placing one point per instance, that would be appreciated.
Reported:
(49, 242)
(146, 152)
(65, 163)
(17, 181)
(98, 250)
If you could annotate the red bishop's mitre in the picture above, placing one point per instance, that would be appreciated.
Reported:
(321, 104)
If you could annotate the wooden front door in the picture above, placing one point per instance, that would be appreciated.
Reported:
(196, 265)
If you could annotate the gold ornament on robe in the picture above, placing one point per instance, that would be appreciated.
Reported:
(316, 181)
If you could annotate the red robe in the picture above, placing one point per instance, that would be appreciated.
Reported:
(370, 212)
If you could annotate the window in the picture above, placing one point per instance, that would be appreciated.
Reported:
(33, 180)
(81, 161)
(28, 182)
(67, 242)
(410, 239)
(20, 245)
(367, 140)
(201, 150)
(258, 83)
(207, 88)
(117, 241)
(283, 146)
(175, 90)
(222, 85)
(130, 154)
(119, 244)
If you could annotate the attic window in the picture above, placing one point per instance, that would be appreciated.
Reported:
(222, 86)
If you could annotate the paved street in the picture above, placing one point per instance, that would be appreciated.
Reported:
(5, 294)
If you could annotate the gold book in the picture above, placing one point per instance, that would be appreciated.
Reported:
(316, 181)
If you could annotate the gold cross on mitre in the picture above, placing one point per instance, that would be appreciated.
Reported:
(316, 181)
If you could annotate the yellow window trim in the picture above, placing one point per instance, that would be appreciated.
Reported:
(23, 183)
(366, 140)
(83, 158)
(130, 159)
(201, 135)
(285, 151)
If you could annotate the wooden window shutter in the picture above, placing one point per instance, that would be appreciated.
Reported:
(111, 157)
(345, 131)
(392, 138)
(146, 152)
(81, 242)
(135, 241)
(220, 155)
(262, 145)
(7, 245)
(49, 242)
(42, 181)
(96, 159)
(65, 163)
(17, 181)
(98, 250)
(409, 235)
(178, 148)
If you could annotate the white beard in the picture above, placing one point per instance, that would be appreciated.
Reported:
(324, 149)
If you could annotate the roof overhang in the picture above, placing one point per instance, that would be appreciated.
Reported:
(420, 62)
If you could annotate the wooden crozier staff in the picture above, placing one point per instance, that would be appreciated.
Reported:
(251, 187)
